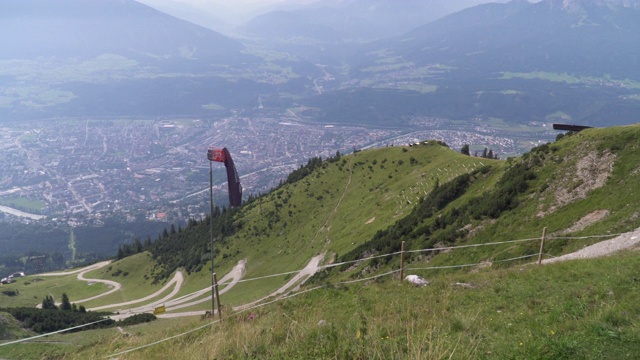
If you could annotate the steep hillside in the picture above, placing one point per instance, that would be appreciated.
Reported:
(364, 204)
(77, 29)
(471, 226)
(352, 207)
(326, 208)
(581, 185)
(11, 329)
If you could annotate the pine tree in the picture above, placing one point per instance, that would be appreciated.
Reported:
(49, 303)
(465, 150)
(66, 305)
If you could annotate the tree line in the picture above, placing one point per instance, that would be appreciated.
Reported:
(52, 317)
(486, 153)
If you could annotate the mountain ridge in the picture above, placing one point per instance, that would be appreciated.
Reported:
(350, 21)
(520, 36)
(75, 28)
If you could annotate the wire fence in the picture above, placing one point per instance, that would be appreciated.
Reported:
(346, 282)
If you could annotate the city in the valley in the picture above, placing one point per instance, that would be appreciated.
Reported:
(78, 169)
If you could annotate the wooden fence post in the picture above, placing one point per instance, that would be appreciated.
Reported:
(215, 286)
(544, 234)
(402, 262)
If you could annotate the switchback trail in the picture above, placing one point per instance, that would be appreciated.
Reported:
(603, 248)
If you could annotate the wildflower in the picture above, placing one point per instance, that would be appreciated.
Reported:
(552, 332)
(521, 344)
(358, 334)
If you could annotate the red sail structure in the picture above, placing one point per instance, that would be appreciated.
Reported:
(235, 189)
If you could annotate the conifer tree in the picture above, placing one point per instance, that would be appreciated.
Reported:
(66, 304)
(49, 303)
(465, 150)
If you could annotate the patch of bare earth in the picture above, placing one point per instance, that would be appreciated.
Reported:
(589, 172)
(587, 220)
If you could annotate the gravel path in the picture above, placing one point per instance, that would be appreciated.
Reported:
(603, 248)
(84, 269)
(303, 275)
(177, 280)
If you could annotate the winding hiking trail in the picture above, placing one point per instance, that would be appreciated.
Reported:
(235, 275)
(298, 279)
(115, 286)
(83, 270)
(177, 280)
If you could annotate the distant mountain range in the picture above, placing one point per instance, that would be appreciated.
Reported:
(335, 21)
(73, 58)
(573, 60)
(548, 61)
(592, 38)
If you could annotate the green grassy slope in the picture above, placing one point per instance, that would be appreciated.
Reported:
(10, 329)
(331, 211)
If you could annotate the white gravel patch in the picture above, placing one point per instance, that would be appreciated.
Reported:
(603, 248)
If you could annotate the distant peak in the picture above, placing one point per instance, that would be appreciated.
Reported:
(581, 5)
